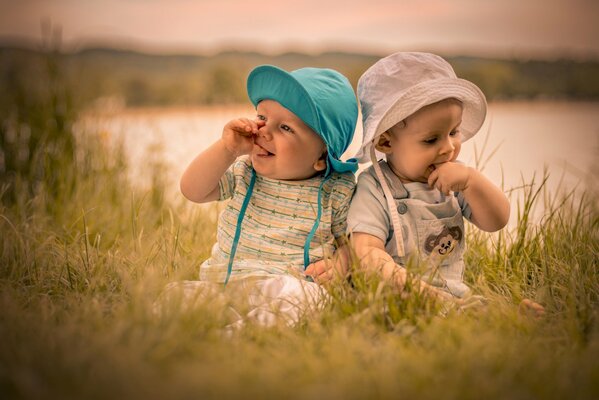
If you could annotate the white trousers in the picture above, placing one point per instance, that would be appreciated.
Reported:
(262, 300)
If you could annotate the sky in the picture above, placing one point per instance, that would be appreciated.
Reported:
(535, 28)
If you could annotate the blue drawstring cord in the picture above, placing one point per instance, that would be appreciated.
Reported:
(315, 226)
(308, 241)
(244, 206)
(246, 200)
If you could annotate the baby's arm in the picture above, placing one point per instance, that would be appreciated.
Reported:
(199, 182)
(374, 259)
(490, 208)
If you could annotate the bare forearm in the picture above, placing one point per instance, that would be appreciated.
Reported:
(490, 208)
(199, 182)
(377, 261)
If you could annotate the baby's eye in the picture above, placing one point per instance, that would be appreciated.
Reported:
(430, 141)
(454, 133)
(287, 128)
(261, 117)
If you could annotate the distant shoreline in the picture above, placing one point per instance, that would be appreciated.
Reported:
(248, 109)
(133, 79)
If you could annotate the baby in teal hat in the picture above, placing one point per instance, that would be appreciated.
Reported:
(289, 191)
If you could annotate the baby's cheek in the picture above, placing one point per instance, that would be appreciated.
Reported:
(456, 153)
(456, 150)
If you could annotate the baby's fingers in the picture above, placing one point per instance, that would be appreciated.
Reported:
(245, 127)
(322, 271)
(435, 181)
(316, 268)
(531, 309)
(326, 276)
(255, 125)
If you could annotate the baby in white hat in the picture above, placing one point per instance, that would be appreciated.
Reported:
(410, 204)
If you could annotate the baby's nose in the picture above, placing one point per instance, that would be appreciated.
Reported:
(447, 146)
(265, 132)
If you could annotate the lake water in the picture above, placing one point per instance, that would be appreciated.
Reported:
(522, 138)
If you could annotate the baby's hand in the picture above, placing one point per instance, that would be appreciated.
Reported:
(326, 270)
(238, 135)
(531, 309)
(450, 177)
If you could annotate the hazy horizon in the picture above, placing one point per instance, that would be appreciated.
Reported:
(535, 28)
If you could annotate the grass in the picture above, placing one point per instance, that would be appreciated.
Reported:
(84, 253)
(77, 283)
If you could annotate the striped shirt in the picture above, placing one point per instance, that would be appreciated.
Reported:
(278, 219)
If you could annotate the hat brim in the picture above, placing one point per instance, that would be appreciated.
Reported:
(273, 83)
(426, 93)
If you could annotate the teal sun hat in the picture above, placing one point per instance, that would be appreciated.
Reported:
(322, 98)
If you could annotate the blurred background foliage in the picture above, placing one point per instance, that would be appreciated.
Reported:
(37, 111)
(129, 78)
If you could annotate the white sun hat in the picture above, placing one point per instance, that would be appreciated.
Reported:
(397, 86)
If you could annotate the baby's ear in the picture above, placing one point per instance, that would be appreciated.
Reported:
(383, 143)
(321, 164)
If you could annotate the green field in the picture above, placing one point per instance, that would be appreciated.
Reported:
(84, 253)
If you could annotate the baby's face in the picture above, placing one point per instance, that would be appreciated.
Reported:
(285, 147)
(424, 140)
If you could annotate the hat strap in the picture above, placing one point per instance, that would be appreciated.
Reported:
(390, 203)
(316, 223)
(244, 206)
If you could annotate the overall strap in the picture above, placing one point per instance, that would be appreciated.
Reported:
(244, 206)
(390, 203)
(397, 188)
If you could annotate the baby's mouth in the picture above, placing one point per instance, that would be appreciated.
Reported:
(261, 151)
(430, 170)
(433, 167)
